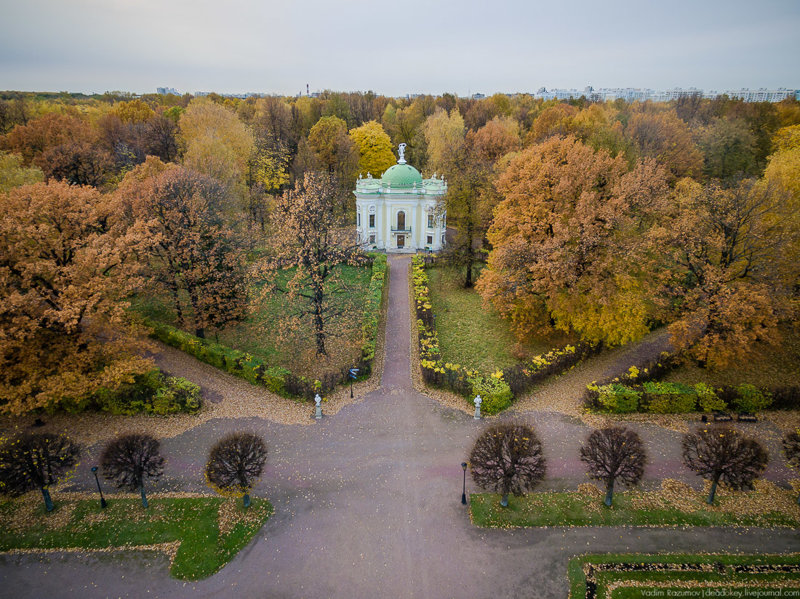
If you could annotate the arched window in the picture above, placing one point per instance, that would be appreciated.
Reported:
(401, 221)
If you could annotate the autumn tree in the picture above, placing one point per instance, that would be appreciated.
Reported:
(14, 173)
(216, 143)
(48, 131)
(614, 453)
(722, 276)
(306, 238)
(129, 459)
(187, 248)
(667, 139)
(335, 153)
(133, 111)
(554, 120)
(729, 149)
(559, 242)
(507, 458)
(495, 139)
(374, 148)
(36, 461)
(791, 449)
(64, 330)
(235, 463)
(723, 454)
(445, 135)
(77, 163)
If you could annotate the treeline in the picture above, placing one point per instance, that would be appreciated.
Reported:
(604, 219)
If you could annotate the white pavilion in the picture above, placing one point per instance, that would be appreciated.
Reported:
(401, 211)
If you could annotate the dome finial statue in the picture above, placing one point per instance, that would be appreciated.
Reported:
(401, 149)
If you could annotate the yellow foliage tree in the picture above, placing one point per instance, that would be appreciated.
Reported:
(216, 143)
(374, 148)
(134, 111)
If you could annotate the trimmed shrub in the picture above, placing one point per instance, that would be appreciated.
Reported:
(669, 398)
(618, 399)
(707, 399)
(494, 391)
(750, 398)
(149, 393)
(786, 398)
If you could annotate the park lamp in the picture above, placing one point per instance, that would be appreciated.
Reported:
(464, 487)
(103, 502)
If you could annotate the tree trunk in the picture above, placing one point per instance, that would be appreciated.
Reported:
(199, 331)
(713, 491)
(504, 500)
(470, 255)
(609, 493)
(144, 498)
(48, 503)
(319, 322)
(246, 500)
(173, 287)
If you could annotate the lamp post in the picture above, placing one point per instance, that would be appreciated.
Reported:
(103, 502)
(464, 488)
(353, 375)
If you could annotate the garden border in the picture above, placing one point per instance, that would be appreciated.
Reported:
(497, 389)
(277, 379)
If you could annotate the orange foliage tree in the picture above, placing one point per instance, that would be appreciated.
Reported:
(64, 332)
(561, 238)
(187, 248)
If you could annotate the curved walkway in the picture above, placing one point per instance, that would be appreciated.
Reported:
(368, 505)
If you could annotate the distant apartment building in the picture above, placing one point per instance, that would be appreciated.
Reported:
(163, 91)
(630, 94)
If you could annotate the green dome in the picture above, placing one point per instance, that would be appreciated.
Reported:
(402, 175)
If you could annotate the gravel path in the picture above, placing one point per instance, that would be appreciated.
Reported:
(368, 505)
(563, 393)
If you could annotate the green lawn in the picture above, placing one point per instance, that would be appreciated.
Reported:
(631, 508)
(712, 571)
(261, 336)
(194, 521)
(770, 366)
(471, 335)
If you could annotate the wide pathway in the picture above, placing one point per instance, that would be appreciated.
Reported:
(367, 505)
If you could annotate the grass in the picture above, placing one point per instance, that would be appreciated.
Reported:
(769, 366)
(261, 335)
(719, 575)
(193, 521)
(472, 335)
(765, 507)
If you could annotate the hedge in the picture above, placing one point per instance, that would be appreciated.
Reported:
(675, 398)
(278, 379)
(497, 389)
(152, 392)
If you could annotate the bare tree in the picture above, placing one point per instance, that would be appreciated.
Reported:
(791, 449)
(723, 454)
(614, 453)
(36, 461)
(507, 458)
(235, 463)
(128, 459)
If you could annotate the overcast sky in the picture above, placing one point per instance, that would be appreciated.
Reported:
(416, 46)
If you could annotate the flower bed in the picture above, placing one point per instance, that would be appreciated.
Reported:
(497, 389)
(277, 379)
(665, 575)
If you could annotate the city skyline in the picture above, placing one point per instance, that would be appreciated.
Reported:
(93, 46)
